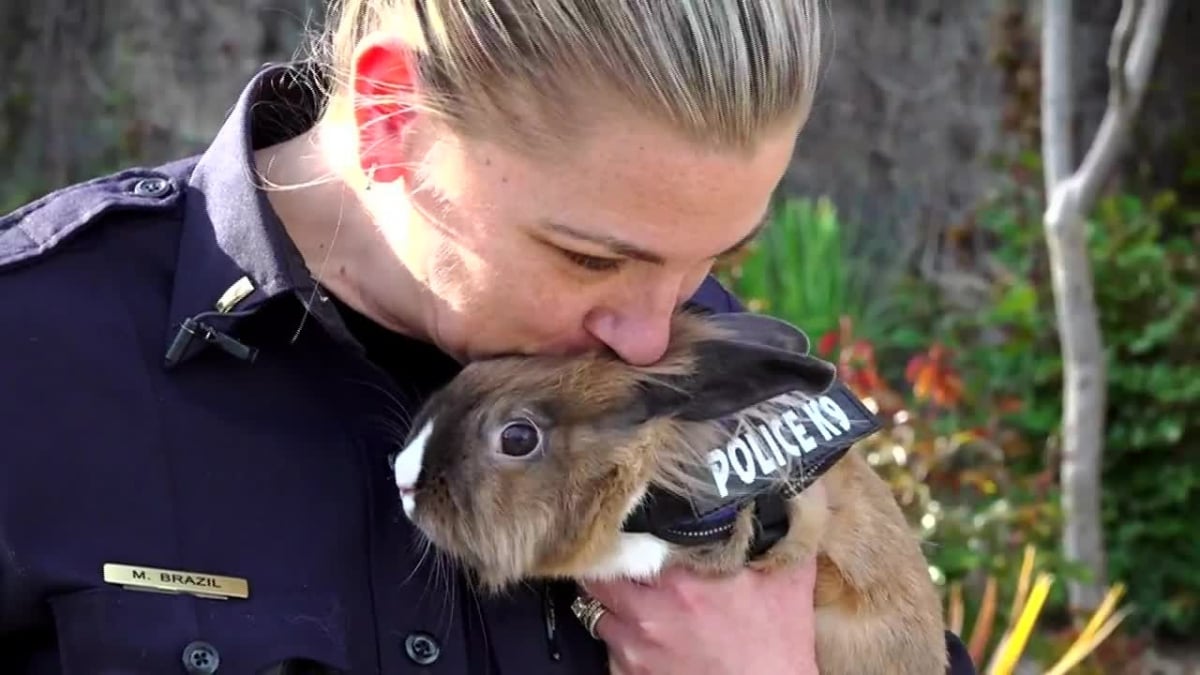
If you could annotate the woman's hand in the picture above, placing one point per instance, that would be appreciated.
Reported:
(682, 623)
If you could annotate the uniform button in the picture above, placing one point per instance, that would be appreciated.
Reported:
(152, 187)
(201, 658)
(422, 649)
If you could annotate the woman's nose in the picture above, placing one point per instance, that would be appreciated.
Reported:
(639, 338)
(638, 329)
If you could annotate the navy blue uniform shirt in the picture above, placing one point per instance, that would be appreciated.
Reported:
(272, 471)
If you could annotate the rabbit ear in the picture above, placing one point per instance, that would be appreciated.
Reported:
(760, 329)
(754, 359)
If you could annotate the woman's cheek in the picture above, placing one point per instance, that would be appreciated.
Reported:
(562, 311)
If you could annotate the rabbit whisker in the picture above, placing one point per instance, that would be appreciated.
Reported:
(396, 407)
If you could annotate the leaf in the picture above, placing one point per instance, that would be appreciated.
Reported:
(1164, 201)
(1019, 303)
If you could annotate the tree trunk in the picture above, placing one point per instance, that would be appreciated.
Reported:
(1071, 197)
(1084, 395)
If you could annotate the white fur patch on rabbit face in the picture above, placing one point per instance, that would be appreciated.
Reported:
(407, 467)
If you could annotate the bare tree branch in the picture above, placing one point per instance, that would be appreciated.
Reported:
(1118, 49)
(1057, 97)
(1127, 90)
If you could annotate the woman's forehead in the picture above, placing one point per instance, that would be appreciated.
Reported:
(634, 191)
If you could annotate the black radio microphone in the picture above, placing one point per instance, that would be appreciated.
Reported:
(194, 328)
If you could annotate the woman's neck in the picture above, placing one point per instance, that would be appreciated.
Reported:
(325, 218)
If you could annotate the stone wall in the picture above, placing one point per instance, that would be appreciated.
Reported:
(918, 101)
(910, 112)
(86, 85)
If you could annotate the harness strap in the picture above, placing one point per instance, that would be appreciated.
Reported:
(771, 523)
(675, 520)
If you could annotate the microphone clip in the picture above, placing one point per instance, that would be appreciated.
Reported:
(194, 329)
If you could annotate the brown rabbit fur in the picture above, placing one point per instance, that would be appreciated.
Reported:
(609, 430)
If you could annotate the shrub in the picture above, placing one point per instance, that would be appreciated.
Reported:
(972, 403)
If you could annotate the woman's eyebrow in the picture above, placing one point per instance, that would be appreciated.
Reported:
(630, 250)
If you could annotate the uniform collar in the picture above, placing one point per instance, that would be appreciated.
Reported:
(232, 241)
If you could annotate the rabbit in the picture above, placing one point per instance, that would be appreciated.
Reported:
(526, 467)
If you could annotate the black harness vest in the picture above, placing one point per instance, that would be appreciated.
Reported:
(815, 434)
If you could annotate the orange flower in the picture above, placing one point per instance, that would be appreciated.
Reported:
(932, 377)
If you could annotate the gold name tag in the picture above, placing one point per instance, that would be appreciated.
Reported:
(175, 581)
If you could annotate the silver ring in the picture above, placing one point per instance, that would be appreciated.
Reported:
(588, 611)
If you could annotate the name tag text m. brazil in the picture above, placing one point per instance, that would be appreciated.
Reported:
(176, 581)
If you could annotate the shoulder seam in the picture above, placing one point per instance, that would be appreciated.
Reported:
(96, 197)
(19, 227)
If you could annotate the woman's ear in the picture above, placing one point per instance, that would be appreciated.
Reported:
(383, 79)
(755, 358)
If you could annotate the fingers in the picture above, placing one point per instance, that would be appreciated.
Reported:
(618, 596)
(609, 627)
(628, 605)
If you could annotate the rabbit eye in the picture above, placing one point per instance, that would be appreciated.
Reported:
(519, 439)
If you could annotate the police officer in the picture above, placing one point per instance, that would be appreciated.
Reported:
(206, 364)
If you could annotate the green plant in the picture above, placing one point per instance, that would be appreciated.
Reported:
(800, 269)
(972, 402)
(945, 451)
(956, 489)
(1147, 275)
(1145, 253)
(1150, 293)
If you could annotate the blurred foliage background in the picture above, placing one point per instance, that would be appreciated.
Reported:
(907, 239)
(972, 395)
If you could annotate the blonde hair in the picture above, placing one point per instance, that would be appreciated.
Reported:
(720, 72)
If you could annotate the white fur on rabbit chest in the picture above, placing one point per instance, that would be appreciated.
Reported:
(637, 555)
